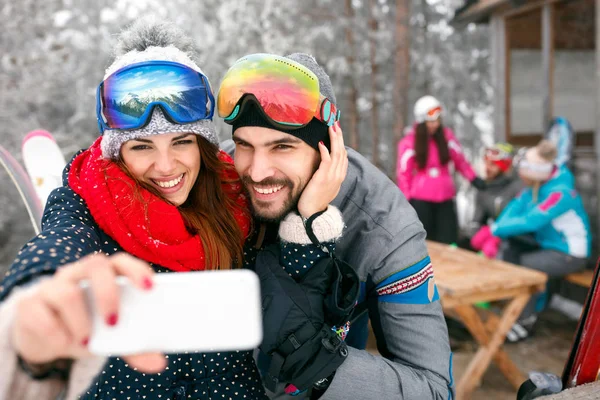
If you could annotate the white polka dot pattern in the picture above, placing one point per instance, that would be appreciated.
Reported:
(70, 233)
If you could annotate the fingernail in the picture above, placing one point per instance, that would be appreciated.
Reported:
(335, 127)
(112, 319)
(321, 143)
(85, 342)
(147, 283)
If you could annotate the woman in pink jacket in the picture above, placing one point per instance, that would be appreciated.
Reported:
(423, 171)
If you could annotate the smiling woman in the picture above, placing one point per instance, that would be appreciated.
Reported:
(167, 163)
(154, 185)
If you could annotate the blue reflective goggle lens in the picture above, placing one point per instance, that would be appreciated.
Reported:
(126, 99)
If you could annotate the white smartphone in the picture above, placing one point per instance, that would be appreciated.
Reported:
(186, 311)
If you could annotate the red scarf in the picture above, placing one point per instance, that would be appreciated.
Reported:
(150, 228)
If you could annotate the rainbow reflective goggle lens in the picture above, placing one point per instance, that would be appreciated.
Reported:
(287, 92)
(126, 99)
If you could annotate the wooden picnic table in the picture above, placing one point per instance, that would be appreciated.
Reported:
(465, 278)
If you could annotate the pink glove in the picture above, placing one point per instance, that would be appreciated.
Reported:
(479, 239)
(491, 246)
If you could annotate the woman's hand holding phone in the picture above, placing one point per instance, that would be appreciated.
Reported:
(54, 320)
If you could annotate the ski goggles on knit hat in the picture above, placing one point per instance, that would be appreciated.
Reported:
(500, 151)
(127, 98)
(500, 154)
(286, 91)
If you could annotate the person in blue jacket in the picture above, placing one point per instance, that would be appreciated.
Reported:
(549, 211)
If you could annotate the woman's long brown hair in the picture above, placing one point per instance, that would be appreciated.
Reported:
(422, 145)
(209, 211)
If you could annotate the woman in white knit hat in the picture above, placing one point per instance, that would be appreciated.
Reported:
(550, 212)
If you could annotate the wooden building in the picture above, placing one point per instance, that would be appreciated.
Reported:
(545, 63)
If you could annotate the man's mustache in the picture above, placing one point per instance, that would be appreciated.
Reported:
(246, 180)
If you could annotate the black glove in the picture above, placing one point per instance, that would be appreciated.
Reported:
(298, 316)
(479, 183)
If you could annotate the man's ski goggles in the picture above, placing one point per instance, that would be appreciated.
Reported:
(287, 92)
(126, 99)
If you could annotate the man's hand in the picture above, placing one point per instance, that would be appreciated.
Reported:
(325, 184)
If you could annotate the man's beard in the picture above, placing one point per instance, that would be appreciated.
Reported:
(290, 204)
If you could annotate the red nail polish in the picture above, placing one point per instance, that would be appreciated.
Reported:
(85, 342)
(321, 142)
(112, 319)
(147, 283)
(335, 127)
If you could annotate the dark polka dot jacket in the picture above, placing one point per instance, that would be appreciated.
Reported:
(69, 233)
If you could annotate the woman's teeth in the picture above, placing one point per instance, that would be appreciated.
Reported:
(169, 184)
(268, 190)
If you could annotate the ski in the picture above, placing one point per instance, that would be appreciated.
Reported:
(24, 187)
(43, 161)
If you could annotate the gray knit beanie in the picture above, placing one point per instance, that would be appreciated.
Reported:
(313, 133)
(309, 62)
(146, 40)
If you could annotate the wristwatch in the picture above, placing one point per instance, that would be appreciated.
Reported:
(320, 387)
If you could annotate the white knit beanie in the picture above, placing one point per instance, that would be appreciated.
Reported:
(146, 40)
(538, 163)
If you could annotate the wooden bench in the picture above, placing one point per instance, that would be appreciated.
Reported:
(463, 279)
(583, 278)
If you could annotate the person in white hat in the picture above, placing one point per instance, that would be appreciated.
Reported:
(423, 173)
(550, 213)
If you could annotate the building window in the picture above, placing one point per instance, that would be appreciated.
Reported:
(524, 76)
(574, 77)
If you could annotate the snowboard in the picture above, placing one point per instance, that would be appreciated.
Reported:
(24, 187)
(44, 162)
(583, 364)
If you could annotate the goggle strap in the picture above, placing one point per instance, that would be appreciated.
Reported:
(233, 114)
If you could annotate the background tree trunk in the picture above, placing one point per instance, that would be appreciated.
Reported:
(373, 30)
(401, 66)
(352, 115)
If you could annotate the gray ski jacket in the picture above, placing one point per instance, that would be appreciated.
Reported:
(385, 242)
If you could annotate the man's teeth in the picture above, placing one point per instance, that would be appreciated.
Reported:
(170, 183)
(269, 190)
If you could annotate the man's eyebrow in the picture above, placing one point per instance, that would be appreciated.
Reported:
(238, 140)
(285, 140)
